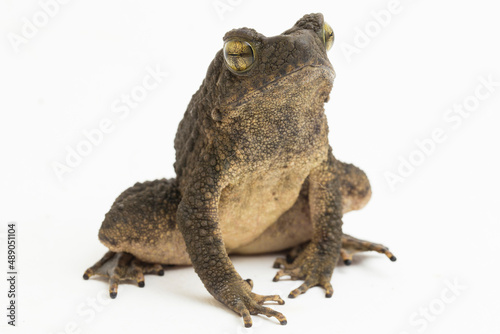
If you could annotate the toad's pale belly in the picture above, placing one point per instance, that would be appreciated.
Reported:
(248, 207)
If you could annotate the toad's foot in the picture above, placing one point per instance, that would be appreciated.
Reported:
(312, 266)
(351, 245)
(239, 297)
(119, 267)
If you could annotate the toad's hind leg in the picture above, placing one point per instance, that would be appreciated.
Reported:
(122, 267)
(141, 234)
(351, 245)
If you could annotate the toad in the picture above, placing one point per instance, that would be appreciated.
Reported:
(255, 173)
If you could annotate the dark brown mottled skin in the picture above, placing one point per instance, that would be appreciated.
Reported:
(255, 174)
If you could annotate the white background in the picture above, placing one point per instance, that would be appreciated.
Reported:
(442, 222)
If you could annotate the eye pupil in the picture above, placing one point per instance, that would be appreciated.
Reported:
(239, 55)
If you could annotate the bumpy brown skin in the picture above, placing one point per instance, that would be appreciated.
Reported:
(142, 220)
(255, 173)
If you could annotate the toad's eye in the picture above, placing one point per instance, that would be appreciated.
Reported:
(327, 36)
(239, 55)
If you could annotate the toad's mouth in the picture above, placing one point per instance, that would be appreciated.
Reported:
(300, 76)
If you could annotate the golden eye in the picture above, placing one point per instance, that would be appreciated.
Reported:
(327, 36)
(239, 55)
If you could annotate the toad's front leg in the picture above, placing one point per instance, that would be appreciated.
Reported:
(316, 263)
(197, 218)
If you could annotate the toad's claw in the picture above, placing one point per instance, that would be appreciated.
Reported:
(239, 297)
(255, 307)
(351, 246)
(261, 300)
(309, 284)
(311, 266)
(120, 267)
